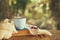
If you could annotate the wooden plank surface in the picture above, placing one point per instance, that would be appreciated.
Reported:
(55, 34)
(21, 33)
(25, 35)
(28, 37)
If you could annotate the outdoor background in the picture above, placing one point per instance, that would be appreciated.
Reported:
(43, 13)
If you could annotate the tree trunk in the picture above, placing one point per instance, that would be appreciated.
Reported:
(55, 6)
(5, 11)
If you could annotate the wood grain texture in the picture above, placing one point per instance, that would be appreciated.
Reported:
(25, 35)
(55, 34)
(28, 38)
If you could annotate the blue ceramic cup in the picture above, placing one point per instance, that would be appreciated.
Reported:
(20, 23)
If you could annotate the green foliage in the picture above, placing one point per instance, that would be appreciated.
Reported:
(38, 11)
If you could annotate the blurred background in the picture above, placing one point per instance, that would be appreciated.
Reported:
(43, 13)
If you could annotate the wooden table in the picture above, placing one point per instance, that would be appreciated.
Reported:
(25, 35)
(55, 34)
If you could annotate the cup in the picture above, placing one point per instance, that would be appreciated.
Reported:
(20, 23)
